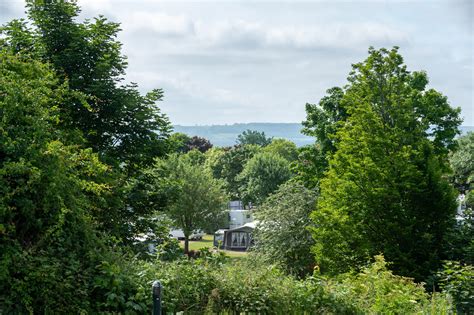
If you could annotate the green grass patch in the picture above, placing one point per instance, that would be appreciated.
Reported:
(207, 241)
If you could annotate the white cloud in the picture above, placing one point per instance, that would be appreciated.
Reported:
(188, 84)
(250, 34)
(161, 24)
(247, 35)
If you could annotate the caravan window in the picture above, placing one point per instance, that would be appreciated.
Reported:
(239, 239)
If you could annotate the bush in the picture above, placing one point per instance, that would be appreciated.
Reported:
(458, 281)
(248, 285)
(376, 290)
(186, 284)
(169, 250)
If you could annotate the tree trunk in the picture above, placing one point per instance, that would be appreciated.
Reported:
(186, 244)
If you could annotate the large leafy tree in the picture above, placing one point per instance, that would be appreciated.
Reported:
(384, 190)
(178, 142)
(100, 111)
(195, 200)
(322, 122)
(310, 166)
(285, 148)
(229, 163)
(324, 118)
(49, 189)
(261, 176)
(124, 126)
(282, 235)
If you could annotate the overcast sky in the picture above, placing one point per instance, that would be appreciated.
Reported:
(261, 61)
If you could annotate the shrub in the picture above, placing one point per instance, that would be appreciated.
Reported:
(186, 284)
(117, 287)
(251, 285)
(169, 250)
(376, 290)
(458, 281)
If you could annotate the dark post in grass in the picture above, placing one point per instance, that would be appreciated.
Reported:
(157, 291)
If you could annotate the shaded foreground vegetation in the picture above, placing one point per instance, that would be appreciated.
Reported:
(212, 284)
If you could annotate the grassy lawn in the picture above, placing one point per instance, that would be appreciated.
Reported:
(207, 241)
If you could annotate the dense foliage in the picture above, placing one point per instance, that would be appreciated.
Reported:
(196, 200)
(229, 163)
(211, 285)
(282, 235)
(322, 122)
(285, 148)
(384, 190)
(48, 189)
(308, 168)
(70, 138)
(457, 280)
(261, 176)
(116, 120)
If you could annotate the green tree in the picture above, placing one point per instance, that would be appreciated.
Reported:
(322, 122)
(282, 234)
(178, 142)
(461, 241)
(384, 191)
(182, 143)
(310, 166)
(48, 192)
(261, 176)
(253, 137)
(462, 163)
(324, 119)
(229, 164)
(125, 127)
(457, 280)
(285, 148)
(196, 199)
(214, 161)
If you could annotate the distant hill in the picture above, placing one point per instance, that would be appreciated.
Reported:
(225, 135)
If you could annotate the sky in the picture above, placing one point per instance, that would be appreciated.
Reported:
(225, 62)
